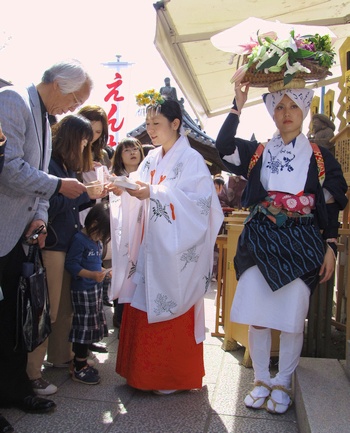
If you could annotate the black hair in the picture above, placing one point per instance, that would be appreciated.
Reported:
(117, 164)
(98, 221)
(219, 180)
(147, 147)
(169, 108)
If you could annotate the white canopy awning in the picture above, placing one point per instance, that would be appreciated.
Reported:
(184, 29)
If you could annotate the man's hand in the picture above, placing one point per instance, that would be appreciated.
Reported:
(36, 233)
(71, 188)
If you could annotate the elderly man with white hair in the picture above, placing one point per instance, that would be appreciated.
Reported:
(25, 189)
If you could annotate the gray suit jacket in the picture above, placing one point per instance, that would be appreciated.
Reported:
(25, 187)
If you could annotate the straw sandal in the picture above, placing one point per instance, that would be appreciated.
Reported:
(256, 399)
(280, 400)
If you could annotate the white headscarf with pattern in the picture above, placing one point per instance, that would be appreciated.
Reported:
(302, 97)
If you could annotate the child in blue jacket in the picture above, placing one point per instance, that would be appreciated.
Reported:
(84, 263)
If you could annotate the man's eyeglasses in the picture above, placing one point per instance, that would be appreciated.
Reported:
(77, 102)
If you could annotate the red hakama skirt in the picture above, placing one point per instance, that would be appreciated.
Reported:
(159, 356)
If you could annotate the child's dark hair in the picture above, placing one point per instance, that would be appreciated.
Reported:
(117, 165)
(97, 221)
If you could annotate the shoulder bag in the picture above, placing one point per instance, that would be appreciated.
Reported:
(33, 307)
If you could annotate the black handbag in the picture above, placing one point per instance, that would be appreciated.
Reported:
(33, 306)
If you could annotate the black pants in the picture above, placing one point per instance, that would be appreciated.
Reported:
(14, 382)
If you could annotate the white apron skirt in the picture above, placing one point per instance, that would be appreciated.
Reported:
(256, 304)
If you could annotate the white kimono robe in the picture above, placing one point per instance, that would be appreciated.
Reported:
(162, 247)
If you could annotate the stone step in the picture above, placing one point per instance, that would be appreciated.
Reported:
(322, 396)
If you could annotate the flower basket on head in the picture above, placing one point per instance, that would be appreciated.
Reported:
(289, 63)
(275, 80)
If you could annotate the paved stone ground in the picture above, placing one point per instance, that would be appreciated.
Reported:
(114, 407)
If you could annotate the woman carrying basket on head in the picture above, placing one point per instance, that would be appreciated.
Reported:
(289, 242)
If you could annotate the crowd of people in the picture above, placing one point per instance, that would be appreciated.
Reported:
(160, 230)
(49, 178)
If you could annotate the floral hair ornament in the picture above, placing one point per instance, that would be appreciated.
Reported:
(149, 100)
(278, 62)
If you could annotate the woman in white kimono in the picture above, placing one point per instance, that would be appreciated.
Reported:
(163, 236)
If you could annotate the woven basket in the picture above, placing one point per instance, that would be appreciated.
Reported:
(295, 83)
(261, 79)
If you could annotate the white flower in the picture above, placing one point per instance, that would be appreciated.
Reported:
(287, 43)
(292, 44)
(297, 66)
